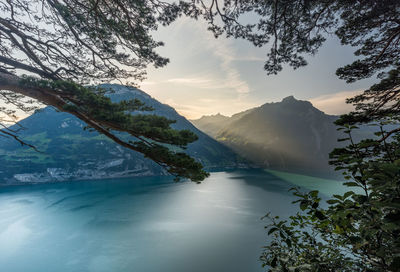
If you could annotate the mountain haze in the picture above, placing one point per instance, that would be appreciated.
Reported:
(211, 124)
(289, 135)
(70, 152)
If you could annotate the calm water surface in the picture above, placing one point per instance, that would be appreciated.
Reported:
(141, 224)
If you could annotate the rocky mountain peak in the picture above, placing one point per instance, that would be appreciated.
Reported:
(289, 99)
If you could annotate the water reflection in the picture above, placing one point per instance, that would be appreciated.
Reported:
(141, 224)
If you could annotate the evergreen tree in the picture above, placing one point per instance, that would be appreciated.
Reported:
(66, 46)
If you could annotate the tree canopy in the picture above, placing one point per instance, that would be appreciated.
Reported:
(359, 229)
(62, 46)
(50, 50)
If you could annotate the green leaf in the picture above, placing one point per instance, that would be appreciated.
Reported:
(303, 205)
(314, 193)
(288, 242)
(332, 201)
(272, 230)
(338, 197)
(347, 194)
(274, 262)
(351, 184)
(320, 215)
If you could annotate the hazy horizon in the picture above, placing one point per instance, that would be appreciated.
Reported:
(207, 76)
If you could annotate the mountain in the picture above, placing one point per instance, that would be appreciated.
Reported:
(69, 152)
(290, 135)
(211, 124)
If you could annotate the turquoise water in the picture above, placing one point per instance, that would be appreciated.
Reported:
(141, 224)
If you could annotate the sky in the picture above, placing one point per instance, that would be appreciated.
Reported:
(207, 76)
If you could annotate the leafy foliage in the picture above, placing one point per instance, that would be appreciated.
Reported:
(69, 44)
(296, 28)
(147, 130)
(80, 40)
(90, 41)
(359, 230)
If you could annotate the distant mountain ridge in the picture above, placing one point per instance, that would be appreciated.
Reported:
(290, 135)
(211, 124)
(71, 153)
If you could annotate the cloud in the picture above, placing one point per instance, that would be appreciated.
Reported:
(208, 106)
(210, 82)
(208, 100)
(189, 111)
(223, 50)
(335, 103)
(248, 58)
(189, 80)
(148, 83)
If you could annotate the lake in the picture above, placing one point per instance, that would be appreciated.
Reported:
(145, 224)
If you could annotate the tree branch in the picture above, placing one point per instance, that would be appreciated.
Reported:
(51, 98)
